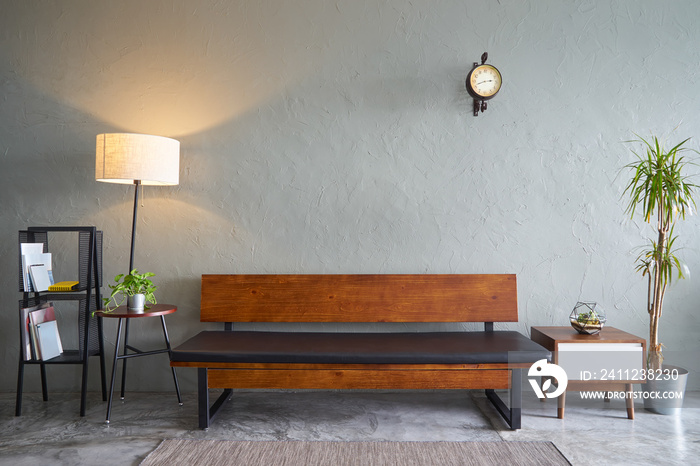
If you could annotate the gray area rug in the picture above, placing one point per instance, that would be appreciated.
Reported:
(296, 453)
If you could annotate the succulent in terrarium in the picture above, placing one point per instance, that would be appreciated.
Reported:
(587, 318)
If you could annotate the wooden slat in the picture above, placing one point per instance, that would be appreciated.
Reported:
(359, 298)
(378, 367)
(358, 379)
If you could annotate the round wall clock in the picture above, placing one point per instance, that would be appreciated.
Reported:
(483, 82)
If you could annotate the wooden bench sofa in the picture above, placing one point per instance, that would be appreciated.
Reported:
(235, 359)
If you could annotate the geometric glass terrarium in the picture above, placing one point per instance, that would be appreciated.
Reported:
(587, 318)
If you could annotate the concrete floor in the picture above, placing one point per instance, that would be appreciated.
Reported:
(594, 432)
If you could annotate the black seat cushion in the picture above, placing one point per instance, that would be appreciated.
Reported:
(360, 348)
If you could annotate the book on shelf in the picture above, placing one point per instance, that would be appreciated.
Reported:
(37, 317)
(49, 340)
(64, 286)
(26, 337)
(32, 258)
(26, 250)
(40, 277)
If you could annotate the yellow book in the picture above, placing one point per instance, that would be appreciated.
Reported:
(64, 286)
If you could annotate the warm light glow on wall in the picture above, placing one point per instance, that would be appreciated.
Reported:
(177, 70)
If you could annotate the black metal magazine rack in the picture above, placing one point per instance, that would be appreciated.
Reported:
(88, 299)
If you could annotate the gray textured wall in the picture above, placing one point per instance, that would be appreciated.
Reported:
(337, 137)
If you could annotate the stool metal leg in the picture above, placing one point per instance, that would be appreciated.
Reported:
(126, 343)
(167, 344)
(103, 370)
(114, 369)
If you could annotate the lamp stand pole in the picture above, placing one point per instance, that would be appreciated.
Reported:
(137, 188)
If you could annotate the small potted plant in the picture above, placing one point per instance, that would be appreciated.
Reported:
(136, 288)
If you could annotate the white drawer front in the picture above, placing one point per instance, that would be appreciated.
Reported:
(601, 361)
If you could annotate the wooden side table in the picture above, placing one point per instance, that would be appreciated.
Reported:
(124, 315)
(610, 361)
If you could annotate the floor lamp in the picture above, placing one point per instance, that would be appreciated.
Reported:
(137, 159)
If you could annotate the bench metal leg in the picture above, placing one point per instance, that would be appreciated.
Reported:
(516, 398)
(206, 414)
(203, 397)
(511, 415)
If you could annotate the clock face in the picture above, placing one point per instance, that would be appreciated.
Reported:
(484, 81)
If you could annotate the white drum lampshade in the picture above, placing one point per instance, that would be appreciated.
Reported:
(126, 158)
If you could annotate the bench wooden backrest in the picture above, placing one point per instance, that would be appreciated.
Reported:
(359, 298)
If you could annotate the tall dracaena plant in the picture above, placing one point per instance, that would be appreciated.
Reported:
(661, 188)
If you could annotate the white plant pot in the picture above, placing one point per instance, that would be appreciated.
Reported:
(657, 392)
(136, 302)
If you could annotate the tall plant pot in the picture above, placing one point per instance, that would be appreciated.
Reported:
(657, 392)
(136, 302)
